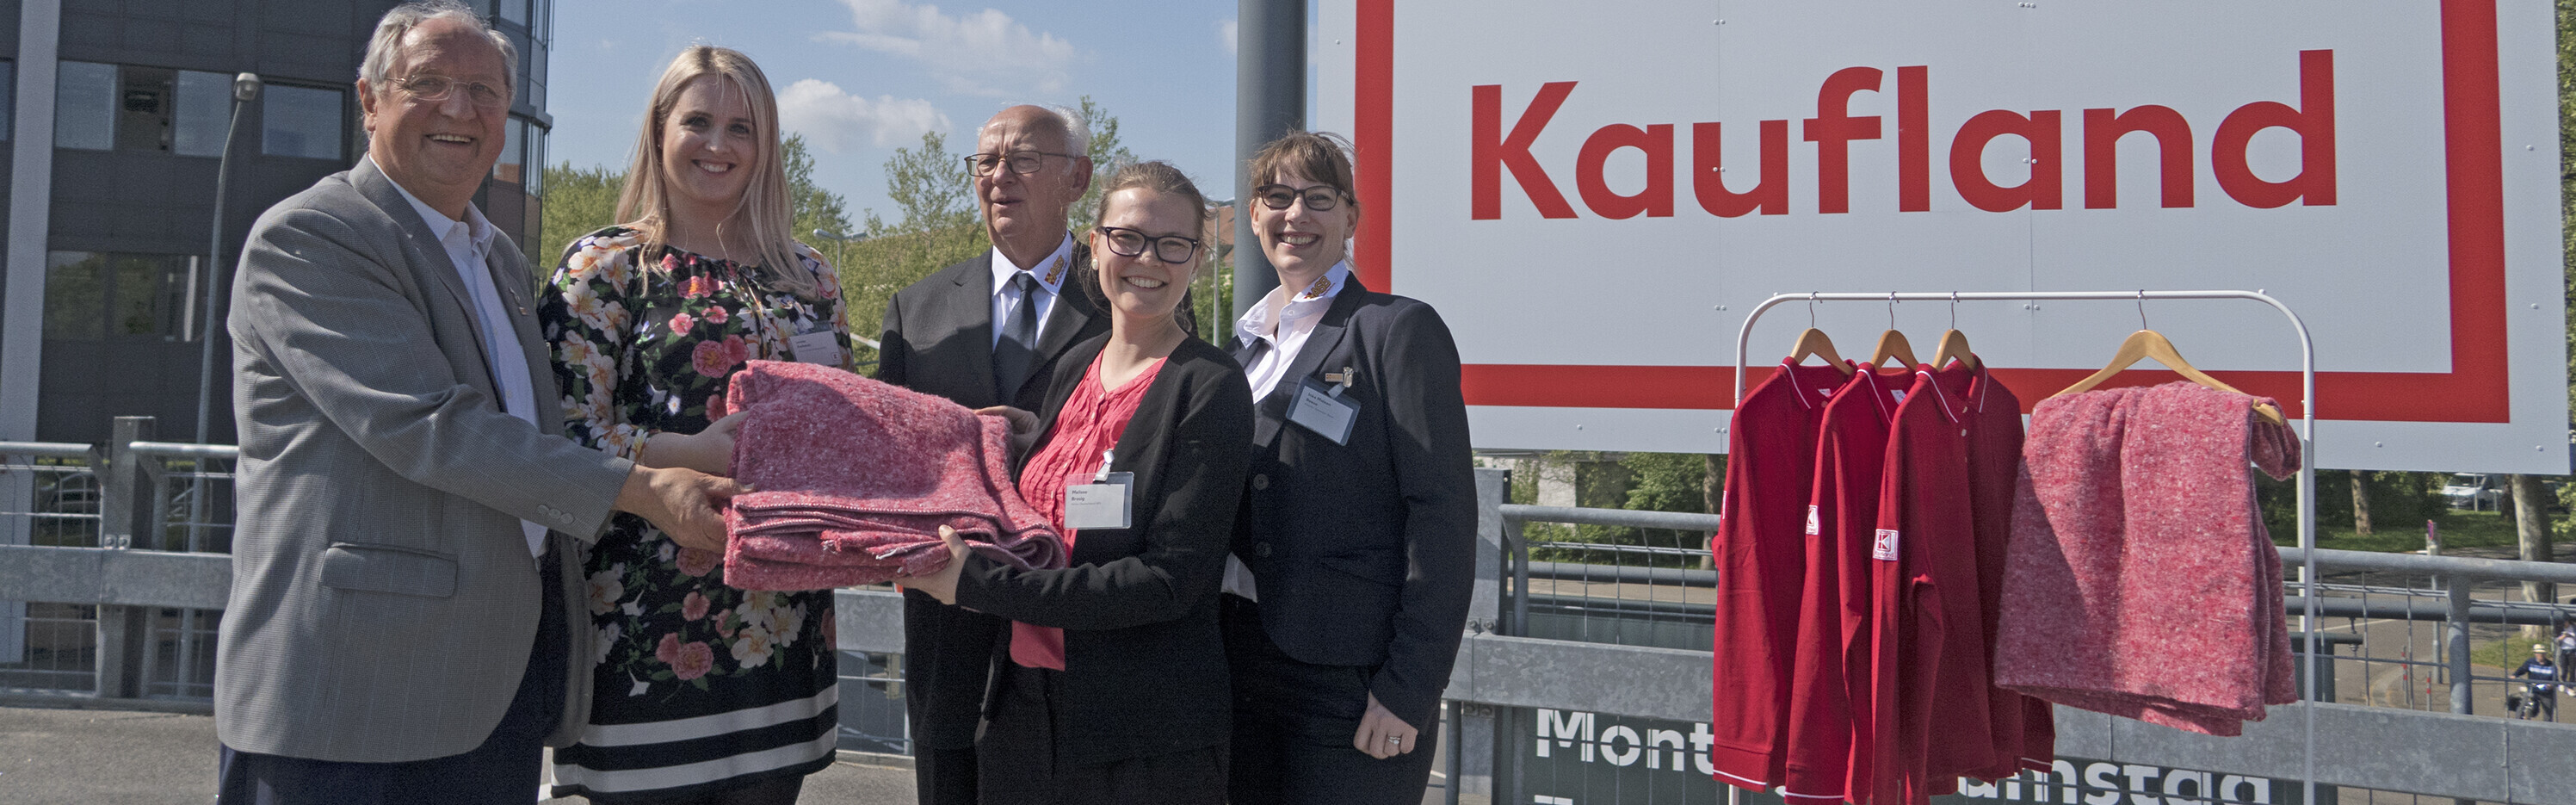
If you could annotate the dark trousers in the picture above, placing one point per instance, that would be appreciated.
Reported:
(943, 776)
(1293, 724)
(503, 769)
(1019, 759)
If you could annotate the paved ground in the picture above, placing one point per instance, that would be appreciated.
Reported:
(66, 756)
(141, 758)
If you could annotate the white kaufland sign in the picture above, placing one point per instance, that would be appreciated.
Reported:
(1595, 196)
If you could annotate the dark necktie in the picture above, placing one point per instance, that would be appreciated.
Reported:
(1019, 345)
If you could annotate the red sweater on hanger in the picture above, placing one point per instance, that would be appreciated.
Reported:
(1771, 446)
(1928, 657)
(2025, 729)
(1842, 510)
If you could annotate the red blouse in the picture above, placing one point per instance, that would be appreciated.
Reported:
(1087, 426)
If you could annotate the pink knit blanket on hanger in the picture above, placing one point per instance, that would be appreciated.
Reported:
(2140, 580)
(855, 478)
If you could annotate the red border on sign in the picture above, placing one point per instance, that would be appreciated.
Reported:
(2475, 390)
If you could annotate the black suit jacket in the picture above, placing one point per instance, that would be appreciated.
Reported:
(1364, 553)
(1145, 669)
(939, 340)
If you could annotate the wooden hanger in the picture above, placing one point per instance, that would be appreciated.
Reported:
(1813, 342)
(2152, 344)
(1892, 345)
(1954, 344)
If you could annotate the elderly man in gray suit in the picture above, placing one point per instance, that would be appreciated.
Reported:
(411, 523)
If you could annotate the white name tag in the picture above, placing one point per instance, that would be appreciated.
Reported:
(816, 347)
(1318, 409)
(1104, 503)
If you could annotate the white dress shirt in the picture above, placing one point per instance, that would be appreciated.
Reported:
(1285, 338)
(1057, 270)
(465, 242)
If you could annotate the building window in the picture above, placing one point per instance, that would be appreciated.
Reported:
(515, 11)
(536, 160)
(85, 106)
(300, 122)
(105, 295)
(511, 168)
(204, 114)
(8, 99)
(133, 108)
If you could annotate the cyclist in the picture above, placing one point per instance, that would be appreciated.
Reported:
(2542, 696)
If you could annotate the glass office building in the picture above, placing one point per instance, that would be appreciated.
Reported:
(110, 263)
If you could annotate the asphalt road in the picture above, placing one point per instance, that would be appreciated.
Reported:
(64, 756)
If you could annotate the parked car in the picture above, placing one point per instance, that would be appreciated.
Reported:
(2475, 491)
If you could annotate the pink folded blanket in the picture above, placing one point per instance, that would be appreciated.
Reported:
(857, 476)
(2140, 581)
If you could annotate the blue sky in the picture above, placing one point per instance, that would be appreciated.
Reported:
(860, 78)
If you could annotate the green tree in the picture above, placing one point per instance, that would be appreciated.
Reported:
(578, 201)
(1107, 154)
(812, 207)
(930, 186)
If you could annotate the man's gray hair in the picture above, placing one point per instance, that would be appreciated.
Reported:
(399, 22)
(1077, 131)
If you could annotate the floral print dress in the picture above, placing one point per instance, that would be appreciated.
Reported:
(734, 686)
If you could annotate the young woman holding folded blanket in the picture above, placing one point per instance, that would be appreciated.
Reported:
(1114, 687)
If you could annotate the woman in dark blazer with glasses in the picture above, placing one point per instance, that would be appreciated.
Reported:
(1354, 552)
(1113, 689)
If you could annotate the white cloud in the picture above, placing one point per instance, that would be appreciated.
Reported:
(983, 53)
(1226, 32)
(837, 121)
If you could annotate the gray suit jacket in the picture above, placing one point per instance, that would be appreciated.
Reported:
(383, 598)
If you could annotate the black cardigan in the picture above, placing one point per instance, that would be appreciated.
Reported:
(1145, 671)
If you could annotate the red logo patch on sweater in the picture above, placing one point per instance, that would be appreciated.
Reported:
(1884, 549)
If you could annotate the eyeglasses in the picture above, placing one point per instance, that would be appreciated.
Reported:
(1278, 196)
(1021, 162)
(435, 88)
(1168, 248)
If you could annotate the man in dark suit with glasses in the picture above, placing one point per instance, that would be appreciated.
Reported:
(987, 332)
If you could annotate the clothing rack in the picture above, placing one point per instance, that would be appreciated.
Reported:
(2307, 446)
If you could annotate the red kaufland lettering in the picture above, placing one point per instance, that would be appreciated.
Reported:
(1834, 128)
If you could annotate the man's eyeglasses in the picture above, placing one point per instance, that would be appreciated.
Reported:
(434, 88)
(1021, 162)
(1131, 243)
(1278, 196)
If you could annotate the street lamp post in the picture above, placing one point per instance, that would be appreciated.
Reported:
(245, 87)
(840, 245)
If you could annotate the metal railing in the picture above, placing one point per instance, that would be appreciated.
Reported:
(1567, 631)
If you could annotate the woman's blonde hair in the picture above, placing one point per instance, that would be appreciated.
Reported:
(645, 204)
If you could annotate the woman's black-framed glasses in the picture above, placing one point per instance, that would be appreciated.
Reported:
(1020, 162)
(1131, 243)
(1278, 196)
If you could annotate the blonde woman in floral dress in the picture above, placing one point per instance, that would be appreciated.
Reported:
(700, 693)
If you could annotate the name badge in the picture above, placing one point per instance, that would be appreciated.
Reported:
(1103, 503)
(816, 347)
(1322, 409)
